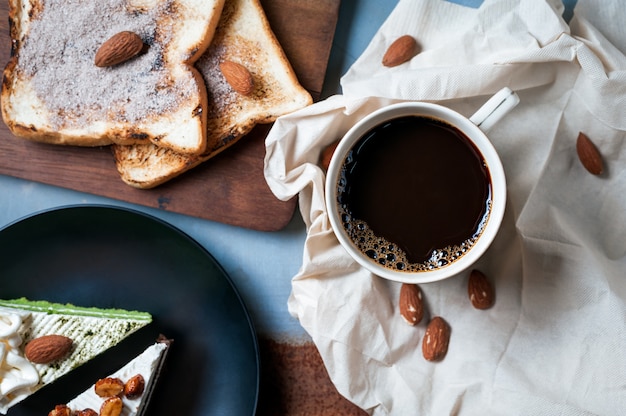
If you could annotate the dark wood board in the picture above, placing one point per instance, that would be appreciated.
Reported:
(229, 188)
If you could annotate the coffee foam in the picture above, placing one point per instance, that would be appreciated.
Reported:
(389, 255)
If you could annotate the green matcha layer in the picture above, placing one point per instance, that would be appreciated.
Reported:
(69, 309)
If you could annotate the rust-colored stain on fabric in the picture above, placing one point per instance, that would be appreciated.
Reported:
(294, 381)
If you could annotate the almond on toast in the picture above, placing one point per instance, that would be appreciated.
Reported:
(243, 36)
(53, 92)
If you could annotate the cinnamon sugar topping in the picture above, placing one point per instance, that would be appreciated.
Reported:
(59, 51)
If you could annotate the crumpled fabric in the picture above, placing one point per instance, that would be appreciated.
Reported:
(555, 340)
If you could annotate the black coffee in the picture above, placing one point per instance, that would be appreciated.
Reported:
(414, 193)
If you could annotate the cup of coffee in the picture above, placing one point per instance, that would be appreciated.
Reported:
(415, 192)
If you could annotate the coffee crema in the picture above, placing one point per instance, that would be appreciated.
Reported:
(414, 194)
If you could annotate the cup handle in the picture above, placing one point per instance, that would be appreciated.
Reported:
(495, 108)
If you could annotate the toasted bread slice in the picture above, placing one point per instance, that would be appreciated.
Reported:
(53, 92)
(243, 36)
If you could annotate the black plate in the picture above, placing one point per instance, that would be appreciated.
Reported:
(112, 257)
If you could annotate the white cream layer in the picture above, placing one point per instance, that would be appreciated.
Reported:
(18, 376)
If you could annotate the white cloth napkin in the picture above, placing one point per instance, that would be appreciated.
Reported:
(555, 341)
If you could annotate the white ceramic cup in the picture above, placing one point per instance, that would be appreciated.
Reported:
(473, 128)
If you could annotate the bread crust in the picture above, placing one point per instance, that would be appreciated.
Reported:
(183, 31)
(243, 36)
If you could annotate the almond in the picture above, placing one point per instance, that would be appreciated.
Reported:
(400, 51)
(48, 348)
(112, 407)
(411, 304)
(327, 154)
(134, 386)
(436, 339)
(480, 290)
(589, 155)
(119, 48)
(238, 77)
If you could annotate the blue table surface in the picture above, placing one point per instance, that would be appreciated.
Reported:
(260, 264)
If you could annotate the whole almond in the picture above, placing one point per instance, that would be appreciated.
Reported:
(134, 386)
(327, 154)
(400, 51)
(589, 155)
(119, 48)
(411, 304)
(112, 407)
(238, 77)
(48, 348)
(436, 339)
(480, 290)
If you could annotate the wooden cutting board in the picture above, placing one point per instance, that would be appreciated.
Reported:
(231, 187)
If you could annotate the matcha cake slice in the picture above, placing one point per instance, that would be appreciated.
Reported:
(70, 335)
